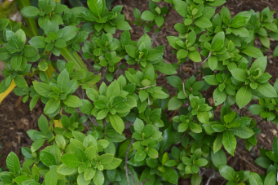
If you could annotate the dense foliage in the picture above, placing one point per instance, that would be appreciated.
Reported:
(156, 149)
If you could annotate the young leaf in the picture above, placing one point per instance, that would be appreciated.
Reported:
(117, 123)
(227, 172)
(243, 96)
(229, 142)
(254, 178)
(70, 160)
(12, 163)
(96, 6)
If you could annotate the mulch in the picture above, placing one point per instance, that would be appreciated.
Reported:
(16, 117)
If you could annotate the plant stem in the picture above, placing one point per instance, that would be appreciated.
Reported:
(7, 92)
(74, 57)
(78, 63)
(30, 21)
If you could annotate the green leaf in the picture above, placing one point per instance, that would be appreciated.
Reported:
(218, 41)
(89, 173)
(96, 6)
(138, 125)
(4, 54)
(212, 63)
(219, 158)
(203, 117)
(174, 81)
(227, 172)
(52, 106)
(33, 101)
(113, 165)
(243, 96)
(265, 41)
(229, 142)
(29, 51)
(255, 179)
(159, 21)
(156, 54)
(174, 103)
(203, 22)
(267, 90)
(37, 144)
(252, 52)
(152, 153)
(131, 50)
(182, 53)
(243, 133)
(42, 88)
(145, 39)
(240, 19)
(113, 89)
(73, 101)
(65, 170)
(70, 160)
(16, 62)
(211, 79)
(123, 25)
(51, 178)
(117, 123)
(194, 56)
(217, 144)
(47, 158)
(106, 158)
(60, 43)
(275, 147)
(81, 179)
(195, 128)
(38, 42)
(12, 163)
(275, 52)
(86, 106)
(270, 179)
(219, 97)
(170, 175)
(99, 178)
(255, 109)
(140, 155)
(63, 81)
(239, 74)
(30, 11)
(165, 68)
(259, 63)
(181, 7)
(148, 15)
(20, 81)
(69, 32)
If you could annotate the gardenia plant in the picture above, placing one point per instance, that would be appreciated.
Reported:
(130, 139)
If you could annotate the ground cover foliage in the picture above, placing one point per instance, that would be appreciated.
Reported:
(161, 150)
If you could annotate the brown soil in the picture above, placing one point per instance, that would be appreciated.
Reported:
(16, 118)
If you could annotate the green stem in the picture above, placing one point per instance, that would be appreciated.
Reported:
(30, 21)
(74, 57)
(78, 63)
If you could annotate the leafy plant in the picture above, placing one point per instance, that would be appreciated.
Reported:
(128, 128)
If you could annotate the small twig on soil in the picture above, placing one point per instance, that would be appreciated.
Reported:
(223, 182)
(207, 57)
(242, 158)
(183, 89)
(211, 177)
(154, 37)
(146, 87)
(126, 158)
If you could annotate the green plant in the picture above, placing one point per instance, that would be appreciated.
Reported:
(129, 138)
